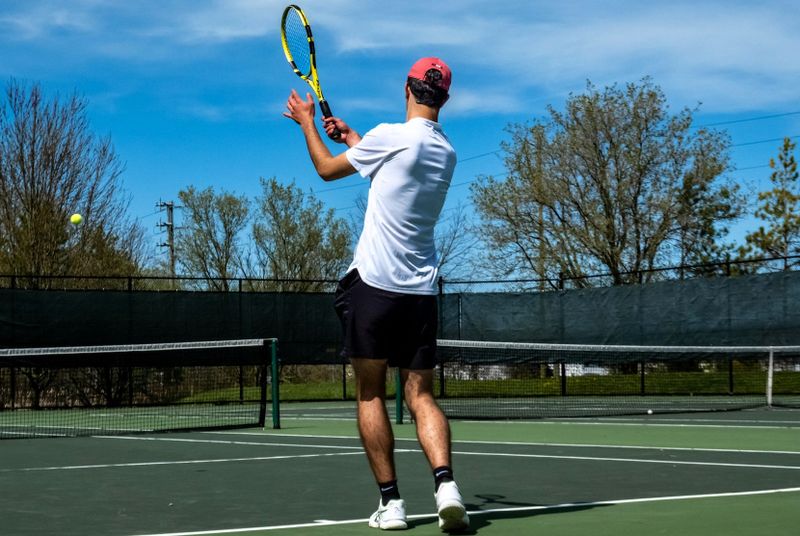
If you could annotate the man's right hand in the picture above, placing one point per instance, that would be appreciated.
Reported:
(349, 136)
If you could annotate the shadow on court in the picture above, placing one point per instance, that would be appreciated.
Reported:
(491, 502)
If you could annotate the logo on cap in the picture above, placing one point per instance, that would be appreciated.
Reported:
(423, 65)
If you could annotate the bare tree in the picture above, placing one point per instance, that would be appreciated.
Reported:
(456, 243)
(613, 184)
(208, 242)
(297, 240)
(51, 166)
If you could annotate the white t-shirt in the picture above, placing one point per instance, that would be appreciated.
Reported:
(410, 166)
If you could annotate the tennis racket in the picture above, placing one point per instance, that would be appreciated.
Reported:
(298, 46)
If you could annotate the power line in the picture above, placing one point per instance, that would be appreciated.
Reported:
(479, 156)
(759, 118)
(751, 167)
(334, 188)
(467, 182)
(349, 186)
(157, 211)
(764, 141)
(482, 155)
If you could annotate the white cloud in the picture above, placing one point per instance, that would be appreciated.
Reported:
(488, 101)
(35, 20)
(731, 55)
(223, 21)
(728, 54)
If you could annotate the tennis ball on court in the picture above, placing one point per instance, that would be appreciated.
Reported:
(649, 411)
(76, 219)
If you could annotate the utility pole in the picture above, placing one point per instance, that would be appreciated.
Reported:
(170, 226)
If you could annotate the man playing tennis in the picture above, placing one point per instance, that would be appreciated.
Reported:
(387, 300)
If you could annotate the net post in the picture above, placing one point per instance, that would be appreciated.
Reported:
(276, 402)
(770, 371)
(262, 384)
(398, 397)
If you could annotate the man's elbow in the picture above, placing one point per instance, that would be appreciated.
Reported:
(328, 173)
(333, 169)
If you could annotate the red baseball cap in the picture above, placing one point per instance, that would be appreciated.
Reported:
(422, 66)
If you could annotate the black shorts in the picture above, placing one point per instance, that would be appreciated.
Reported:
(379, 324)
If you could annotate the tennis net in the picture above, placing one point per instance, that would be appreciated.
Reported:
(495, 380)
(93, 390)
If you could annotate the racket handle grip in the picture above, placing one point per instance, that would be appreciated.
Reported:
(326, 112)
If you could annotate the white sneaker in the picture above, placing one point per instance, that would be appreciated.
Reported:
(389, 517)
(452, 512)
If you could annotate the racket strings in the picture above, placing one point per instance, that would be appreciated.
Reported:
(298, 43)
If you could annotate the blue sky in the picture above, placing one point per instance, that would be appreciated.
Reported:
(191, 92)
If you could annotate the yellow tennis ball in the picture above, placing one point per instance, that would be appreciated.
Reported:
(76, 219)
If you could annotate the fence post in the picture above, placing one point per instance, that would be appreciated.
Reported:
(730, 376)
(13, 388)
(398, 397)
(440, 333)
(344, 380)
(641, 379)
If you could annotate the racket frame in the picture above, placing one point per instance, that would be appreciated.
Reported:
(311, 77)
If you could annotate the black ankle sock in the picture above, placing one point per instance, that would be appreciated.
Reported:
(389, 491)
(442, 474)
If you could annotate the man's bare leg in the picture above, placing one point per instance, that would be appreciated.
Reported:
(378, 440)
(374, 426)
(433, 430)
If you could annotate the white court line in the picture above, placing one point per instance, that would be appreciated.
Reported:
(693, 420)
(344, 406)
(493, 511)
(531, 444)
(358, 450)
(498, 454)
(631, 460)
(221, 442)
(326, 417)
(176, 462)
(312, 418)
(643, 424)
(309, 417)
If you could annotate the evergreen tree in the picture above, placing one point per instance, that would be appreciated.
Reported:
(779, 209)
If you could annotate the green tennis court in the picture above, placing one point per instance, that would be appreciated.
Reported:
(732, 473)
